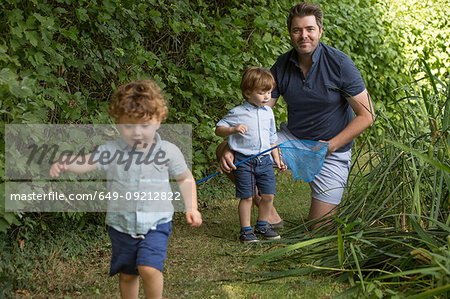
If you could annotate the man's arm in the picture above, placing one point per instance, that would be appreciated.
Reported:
(365, 115)
(272, 102)
(225, 156)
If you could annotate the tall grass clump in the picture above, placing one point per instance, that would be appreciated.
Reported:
(391, 234)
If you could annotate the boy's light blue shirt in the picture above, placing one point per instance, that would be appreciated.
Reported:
(148, 180)
(261, 129)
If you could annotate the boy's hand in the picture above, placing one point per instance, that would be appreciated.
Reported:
(56, 169)
(281, 166)
(241, 129)
(194, 218)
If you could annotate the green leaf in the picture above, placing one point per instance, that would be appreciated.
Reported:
(11, 218)
(8, 77)
(47, 22)
(378, 293)
(49, 104)
(82, 14)
(33, 37)
(431, 293)
(423, 234)
(72, 33)
(267, 37)
(4, 225)
(155, 13)
(355, 258)
(340, 248)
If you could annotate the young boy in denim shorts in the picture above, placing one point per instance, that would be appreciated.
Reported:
(251, 130)
(140, 229)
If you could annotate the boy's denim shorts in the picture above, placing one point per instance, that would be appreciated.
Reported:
(129, 252)
(256, 172)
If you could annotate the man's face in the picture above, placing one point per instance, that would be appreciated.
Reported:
(305, 34)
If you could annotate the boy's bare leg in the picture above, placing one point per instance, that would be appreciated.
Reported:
(129, 286)
(265, 207)
(245, 210)
(274, 217)
(153, 282)
(319, 209)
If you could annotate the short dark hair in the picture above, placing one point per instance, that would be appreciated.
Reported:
(256, 78)
(305, 9)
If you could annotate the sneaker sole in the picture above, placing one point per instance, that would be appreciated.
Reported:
(249, 242)
(272, 238)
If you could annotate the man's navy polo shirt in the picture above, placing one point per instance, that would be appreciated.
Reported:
(317, 108)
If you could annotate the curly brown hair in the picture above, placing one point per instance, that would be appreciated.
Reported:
(140, 100)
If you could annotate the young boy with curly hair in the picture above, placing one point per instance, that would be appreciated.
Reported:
(140, 230)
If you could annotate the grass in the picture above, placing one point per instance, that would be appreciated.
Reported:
(208, 262)
(62, 260)
(205, 262)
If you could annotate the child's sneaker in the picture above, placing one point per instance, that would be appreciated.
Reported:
(267, 232)
(248, 236)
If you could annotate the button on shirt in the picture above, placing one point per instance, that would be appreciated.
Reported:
(261, 129)
(143, 189)
(317, 105)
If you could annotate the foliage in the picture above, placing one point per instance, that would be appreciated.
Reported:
(426, 32)
(371, 41)
(391, 232)
(61, 60)
(23, 251)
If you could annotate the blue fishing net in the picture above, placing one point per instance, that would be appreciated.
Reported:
(303, 157)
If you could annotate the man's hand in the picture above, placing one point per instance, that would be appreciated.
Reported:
(226, 160)
(194, 218)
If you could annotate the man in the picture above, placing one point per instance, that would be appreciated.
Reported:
(322, 89)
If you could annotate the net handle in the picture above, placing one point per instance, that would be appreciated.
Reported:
(245, 160)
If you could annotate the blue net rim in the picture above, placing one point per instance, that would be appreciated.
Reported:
(290, 144)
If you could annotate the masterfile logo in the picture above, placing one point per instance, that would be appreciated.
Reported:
(30, 151)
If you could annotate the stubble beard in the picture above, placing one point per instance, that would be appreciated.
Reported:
(303, 50)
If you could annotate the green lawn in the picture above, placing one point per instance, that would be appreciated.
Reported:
(205, 262)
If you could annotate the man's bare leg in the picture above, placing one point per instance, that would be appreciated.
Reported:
(320, 209)
(274, 217)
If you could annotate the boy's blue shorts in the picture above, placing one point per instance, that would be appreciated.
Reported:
(129, 252)
(261, 168)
